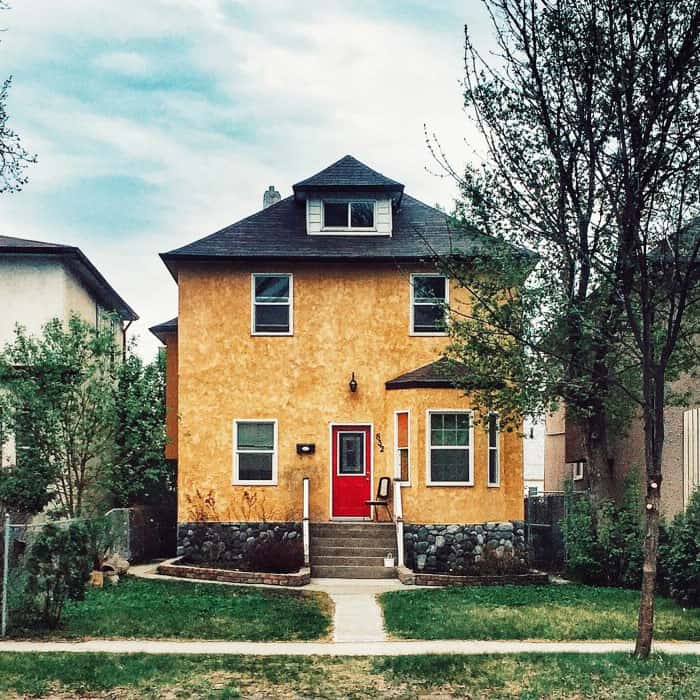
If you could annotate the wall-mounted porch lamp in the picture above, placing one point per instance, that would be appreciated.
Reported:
(353, 384)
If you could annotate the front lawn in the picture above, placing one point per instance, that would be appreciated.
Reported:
(563, 612)
(145, 608)
(507, 677)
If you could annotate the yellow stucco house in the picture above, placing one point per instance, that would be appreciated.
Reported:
(308, 345)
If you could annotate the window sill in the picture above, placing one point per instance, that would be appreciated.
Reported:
(493, 486)
(436, 334)
(238, 482)
(449, 483)
(271, 335)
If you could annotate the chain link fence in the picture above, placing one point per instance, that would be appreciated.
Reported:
(15, 542)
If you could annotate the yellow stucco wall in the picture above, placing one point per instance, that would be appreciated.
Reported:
(171, 395)
(346, 319)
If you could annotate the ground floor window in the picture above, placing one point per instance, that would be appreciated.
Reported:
(450, 440)
(494, 455)
(255, 452)
(401, 452)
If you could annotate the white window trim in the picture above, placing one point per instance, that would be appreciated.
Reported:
(290, 303)
(577, 470)
(497, 450)
(354, 230)
(431, 334)
(275, 449)
(397, 461)
(428, 479)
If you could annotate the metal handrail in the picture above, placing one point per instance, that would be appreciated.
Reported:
(398, 519)
(305, 521)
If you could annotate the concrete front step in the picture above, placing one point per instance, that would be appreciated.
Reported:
(357, 543)
(322, 571)
(324, 550)
(354, 560)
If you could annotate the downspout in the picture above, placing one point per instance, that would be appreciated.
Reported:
(125, 328)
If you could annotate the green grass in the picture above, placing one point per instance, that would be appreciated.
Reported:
(511, 677)
(143, 608)
(530, 612)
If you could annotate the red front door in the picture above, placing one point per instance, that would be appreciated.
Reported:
(352, 469)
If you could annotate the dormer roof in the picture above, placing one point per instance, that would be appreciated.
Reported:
(348, 175)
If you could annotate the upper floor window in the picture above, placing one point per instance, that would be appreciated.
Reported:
(272, 304)
(429, 295)
(348, 215)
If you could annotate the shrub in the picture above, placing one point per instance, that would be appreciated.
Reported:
(604, 542)
(491, 564)
(679, 555)
(100, 538)
(58, 565)
(276, 556)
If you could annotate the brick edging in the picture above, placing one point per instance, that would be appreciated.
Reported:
(174, 568)
(413, 578)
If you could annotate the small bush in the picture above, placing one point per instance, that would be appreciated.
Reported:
(58, 566)
(603, 543)
(276, 556)
(679, 555)
(491, 564)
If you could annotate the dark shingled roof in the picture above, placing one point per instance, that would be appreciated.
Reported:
(434, 375)
(161, 329)
(419, 233)
(347, 172)
(79, 265)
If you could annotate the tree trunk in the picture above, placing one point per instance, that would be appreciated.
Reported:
(653, 449)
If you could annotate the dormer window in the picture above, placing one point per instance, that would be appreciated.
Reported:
(348, 216)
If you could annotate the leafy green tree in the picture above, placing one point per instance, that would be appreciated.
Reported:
(60, 402)
(591, 156)
(13, 157)
(140, 473)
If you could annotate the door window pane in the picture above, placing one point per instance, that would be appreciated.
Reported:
(351, 453)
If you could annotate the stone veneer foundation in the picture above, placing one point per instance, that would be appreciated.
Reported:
(453, 549)
(229, 542)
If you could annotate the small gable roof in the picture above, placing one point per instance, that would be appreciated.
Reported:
(78, 263)
(161, 329)
(348, 172)
(433, 375)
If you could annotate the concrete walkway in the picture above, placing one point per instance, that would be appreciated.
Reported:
(387, 648)
(357, 616)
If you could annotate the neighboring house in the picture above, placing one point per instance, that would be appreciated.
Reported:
(565, 457)
(40, 281)
(308, 344)
(533, 456)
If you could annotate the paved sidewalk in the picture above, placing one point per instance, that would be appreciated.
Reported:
(357, 617)
(389, 648)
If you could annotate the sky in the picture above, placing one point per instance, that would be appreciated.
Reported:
(157, 122)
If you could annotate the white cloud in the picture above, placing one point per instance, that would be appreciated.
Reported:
(127, 63)
(296, 85)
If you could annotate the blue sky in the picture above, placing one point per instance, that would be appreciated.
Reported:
(158, 122)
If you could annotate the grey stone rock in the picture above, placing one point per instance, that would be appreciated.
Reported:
(439, 541)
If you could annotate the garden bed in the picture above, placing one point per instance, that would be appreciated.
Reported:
(202, 572)
(426, 578)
